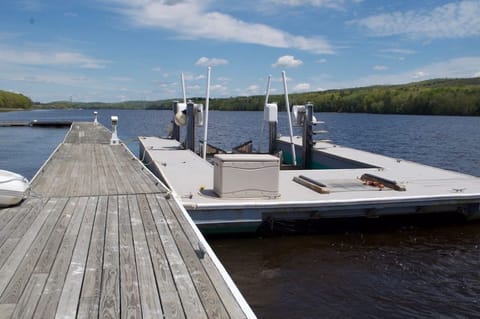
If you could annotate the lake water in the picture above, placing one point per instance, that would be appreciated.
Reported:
(396, 269)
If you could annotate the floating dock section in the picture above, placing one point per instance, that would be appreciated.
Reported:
(101, 237)
(37, 123)
(351, 183)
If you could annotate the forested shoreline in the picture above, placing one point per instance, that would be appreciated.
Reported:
(9, 100)
(431, 97)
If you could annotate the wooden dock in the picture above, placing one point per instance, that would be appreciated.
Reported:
(101, 237)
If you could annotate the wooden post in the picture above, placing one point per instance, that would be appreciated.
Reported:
(190, 139)
(176, 128)
(272, 137)
(307, 136)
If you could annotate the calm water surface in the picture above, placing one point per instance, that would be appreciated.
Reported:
(394, 269)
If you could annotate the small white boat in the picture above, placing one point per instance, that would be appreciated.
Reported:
(13, 188)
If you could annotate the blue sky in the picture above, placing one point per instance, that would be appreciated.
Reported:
(117, 50)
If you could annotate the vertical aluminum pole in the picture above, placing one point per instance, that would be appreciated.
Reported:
(287, 105)
(267, 94)
(184, 92)
(207, 102)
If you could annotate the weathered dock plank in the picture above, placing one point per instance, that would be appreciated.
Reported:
(67, 306)
(10, 266)
(6, 310)
(211, 302)
(17, 284)
(90, 296)
(103, 238)
(12, 233)
(231, 304)
(151, 307)
(6, 215)
(186, 289)
(110, 291)
(171, 303)
(32, 293)
(130, 303)
(49, 299)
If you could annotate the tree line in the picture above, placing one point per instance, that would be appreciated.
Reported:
(9, 101)
(431, 97)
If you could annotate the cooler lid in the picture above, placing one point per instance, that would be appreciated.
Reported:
(246, 158)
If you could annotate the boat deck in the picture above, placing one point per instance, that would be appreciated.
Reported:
(101, 237)
(427, 189)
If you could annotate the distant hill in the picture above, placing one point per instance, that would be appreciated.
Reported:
(12, 101)
(165, 104)
(432, 97)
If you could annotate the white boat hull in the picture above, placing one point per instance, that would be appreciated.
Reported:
(13, 188)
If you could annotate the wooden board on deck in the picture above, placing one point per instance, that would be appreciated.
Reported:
(102, 238)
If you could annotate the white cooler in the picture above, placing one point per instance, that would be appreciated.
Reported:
(246, 175)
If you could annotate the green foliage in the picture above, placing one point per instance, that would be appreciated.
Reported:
(9, 100)
(435, 97)
(99, 105)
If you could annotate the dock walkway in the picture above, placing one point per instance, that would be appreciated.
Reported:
(101, 237)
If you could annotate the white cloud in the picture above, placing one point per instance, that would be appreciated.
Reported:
(398, 51)
(223, 79)
(157, 69)
(219, 89)
(454, 68)
(253, 89)
(188, 76)
(452, 20)
(302, 87)
(204, 61)
(167, 87)
(194, 87)
(419, 75)
(334, 4)
(287, 61)
(321, 61)
(191, 19)
(61, 58)
(380, 68)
